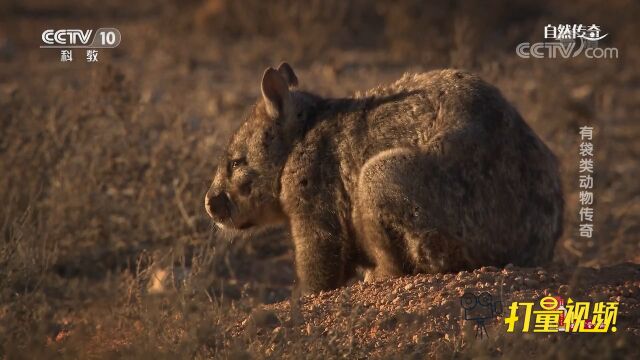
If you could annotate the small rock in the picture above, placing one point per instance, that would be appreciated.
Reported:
(277, 333)
(408, 287)
(582, 93)
(489, 269)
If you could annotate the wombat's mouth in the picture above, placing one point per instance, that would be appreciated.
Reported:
(260, 216)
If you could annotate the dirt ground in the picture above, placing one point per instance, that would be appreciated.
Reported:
(104, 166)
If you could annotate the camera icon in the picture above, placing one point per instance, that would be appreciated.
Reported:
(480, 308)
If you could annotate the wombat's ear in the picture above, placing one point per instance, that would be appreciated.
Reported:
(275, 92)
(287, 73)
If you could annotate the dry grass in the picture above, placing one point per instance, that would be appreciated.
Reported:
(104, 166)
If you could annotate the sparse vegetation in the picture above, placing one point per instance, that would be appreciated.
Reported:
(103, 169)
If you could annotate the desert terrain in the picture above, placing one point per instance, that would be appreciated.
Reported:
(106, 250)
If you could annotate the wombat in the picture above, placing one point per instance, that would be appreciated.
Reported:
(436, 172)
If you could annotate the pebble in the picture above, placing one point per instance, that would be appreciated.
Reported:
(489, 269)
(408, 287)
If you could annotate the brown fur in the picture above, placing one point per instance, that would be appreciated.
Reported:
(433, 173)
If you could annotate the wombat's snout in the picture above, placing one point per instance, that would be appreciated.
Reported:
(218, 206)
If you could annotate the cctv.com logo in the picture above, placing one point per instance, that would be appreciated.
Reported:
(553, 50)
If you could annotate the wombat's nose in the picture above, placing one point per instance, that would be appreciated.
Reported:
(218, 206)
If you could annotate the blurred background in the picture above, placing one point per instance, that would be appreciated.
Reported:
(104, 166)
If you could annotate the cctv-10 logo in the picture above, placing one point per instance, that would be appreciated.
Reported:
(75, 38)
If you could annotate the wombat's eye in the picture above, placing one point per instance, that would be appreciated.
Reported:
(236, 163)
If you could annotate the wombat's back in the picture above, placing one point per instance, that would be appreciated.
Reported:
(495, 185)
